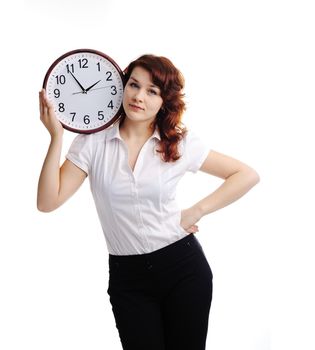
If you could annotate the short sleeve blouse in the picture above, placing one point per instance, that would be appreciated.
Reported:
(137, 209)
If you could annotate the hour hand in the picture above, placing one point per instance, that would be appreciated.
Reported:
(90, 87)
(82, 88)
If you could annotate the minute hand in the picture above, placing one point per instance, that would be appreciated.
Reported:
(82, 88)
(90, 87)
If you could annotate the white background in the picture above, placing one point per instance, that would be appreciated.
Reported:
(250, 83)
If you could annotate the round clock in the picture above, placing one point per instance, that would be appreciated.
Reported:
(86, 89)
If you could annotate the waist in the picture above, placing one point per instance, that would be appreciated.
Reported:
(159, 258)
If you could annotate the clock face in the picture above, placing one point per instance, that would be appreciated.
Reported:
(86, 89)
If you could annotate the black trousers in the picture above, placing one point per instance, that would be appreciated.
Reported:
(161, 300)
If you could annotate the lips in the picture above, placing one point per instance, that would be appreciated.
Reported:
(136, 107)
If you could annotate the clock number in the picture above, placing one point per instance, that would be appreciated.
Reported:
(86, 119)
(98, 66)
(57, 93)
(71, 66)
(114, 90)
(109, 76)
(61, 79)
(73, 115)
(100, 115)
(61, 107)
(83, 63)
(110, 105)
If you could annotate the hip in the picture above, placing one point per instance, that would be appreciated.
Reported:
(185, 250)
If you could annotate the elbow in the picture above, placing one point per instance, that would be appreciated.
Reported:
(249, 176)
(257, 178)
(253, 177)
(45, 208)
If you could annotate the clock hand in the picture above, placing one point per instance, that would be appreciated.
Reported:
(90, 87)
(80, 92)
(82, 88)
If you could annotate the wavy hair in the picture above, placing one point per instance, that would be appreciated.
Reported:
(169, 118)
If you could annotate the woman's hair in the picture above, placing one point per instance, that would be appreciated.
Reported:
(168, 120)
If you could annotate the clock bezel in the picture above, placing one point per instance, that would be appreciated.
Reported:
(119, 70)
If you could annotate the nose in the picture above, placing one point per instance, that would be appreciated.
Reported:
(138, 96)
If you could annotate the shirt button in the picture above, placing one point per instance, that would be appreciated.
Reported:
(149, 265)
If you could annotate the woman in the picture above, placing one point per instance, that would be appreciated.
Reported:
(160, 283)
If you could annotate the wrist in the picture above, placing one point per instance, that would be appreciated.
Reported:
(198, 211)
(56, 137)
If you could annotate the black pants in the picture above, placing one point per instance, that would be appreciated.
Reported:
(161, 300)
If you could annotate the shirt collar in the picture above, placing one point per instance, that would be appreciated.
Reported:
(113, 133)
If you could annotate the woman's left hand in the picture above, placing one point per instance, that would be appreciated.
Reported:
(189, 218)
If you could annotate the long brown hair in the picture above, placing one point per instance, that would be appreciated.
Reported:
(169, 118)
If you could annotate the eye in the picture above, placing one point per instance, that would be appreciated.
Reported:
(132, 84)
(152, 92)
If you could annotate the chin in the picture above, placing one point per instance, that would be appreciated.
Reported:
(136, 117)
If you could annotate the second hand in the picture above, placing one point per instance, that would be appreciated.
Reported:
(103, 87)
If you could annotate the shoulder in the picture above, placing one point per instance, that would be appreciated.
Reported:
(91, 140)
(194, 150)
(191, 138)
(85, 147)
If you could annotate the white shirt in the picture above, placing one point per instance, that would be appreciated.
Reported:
(137, 209)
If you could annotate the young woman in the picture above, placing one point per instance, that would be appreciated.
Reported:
(160, 283)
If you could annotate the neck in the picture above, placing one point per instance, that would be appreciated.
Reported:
(135, 130)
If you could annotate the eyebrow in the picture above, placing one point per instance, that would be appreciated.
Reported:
(152, 85)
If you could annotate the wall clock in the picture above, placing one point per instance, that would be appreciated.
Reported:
(86, 89)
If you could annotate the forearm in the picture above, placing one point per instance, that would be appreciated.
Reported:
(49, 180)
(233, 188)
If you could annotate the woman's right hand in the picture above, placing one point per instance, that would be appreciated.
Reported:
(48, 116)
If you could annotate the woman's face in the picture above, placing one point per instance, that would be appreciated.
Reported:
(142, 99)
